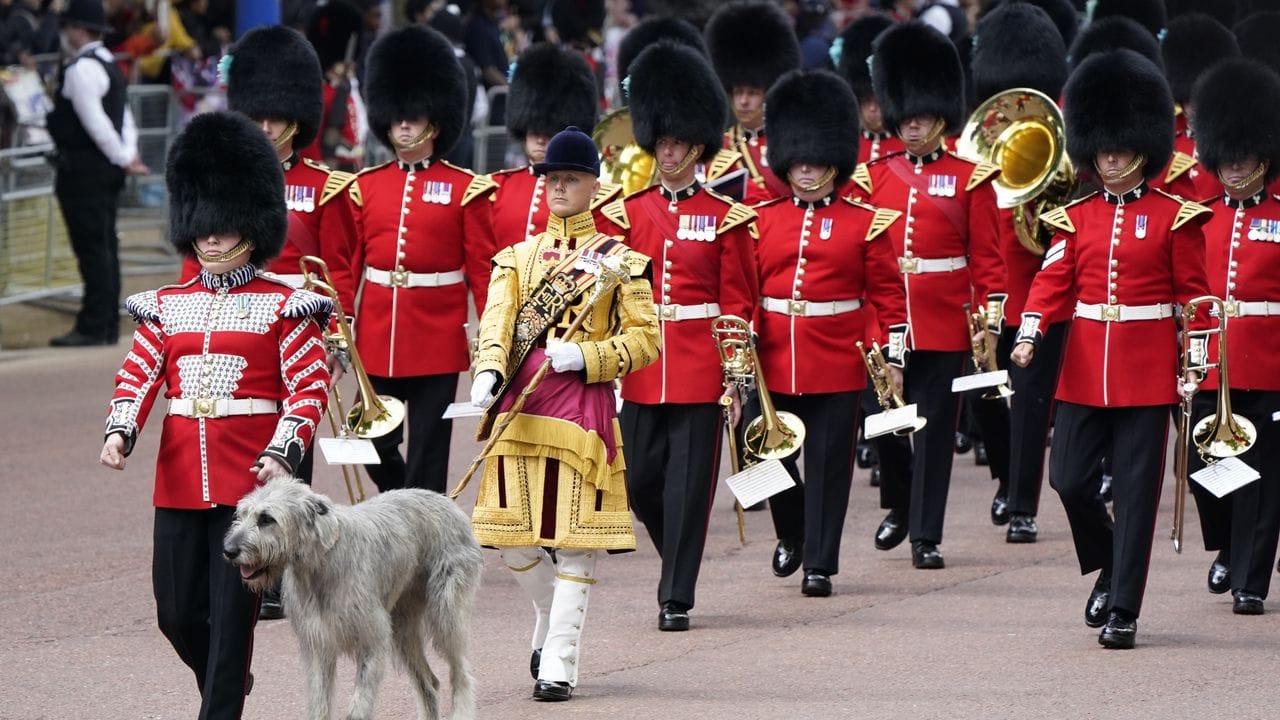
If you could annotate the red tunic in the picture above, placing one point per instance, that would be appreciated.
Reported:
(949, 209)
(1021, 267)
(833, 251)
(702, 253)
(241, 336)
(519, 205)
(1243, 256)
(877, 145)
(1121, 251)
(433, 224)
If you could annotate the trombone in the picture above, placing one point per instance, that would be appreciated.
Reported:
(984, 360)
(374, 415)
(1221, 435)
(887, 393)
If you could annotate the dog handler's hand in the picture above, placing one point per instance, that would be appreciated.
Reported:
(113, 452)
(268, 467)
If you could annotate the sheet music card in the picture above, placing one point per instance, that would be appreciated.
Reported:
(759, 482)
(348, 451)
(1225, 476)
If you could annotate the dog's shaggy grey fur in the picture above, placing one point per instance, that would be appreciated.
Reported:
(362, 580)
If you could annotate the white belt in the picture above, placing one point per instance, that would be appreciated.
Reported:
(293, 280)
(222, 407)
(676, 313)
(398, 278)
(1123, 313)
(1236, 308)
(809, 308)
(915, 265)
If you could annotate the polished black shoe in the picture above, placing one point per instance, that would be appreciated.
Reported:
(1246, 603)
(787, 557)
(963, 443)
(816, 584)
(925, 556)
(999, 508)
(1095, 611)
(875, 476)
(75, 338)
(892, 530)
(672, 618)
(1219, 576)
(1119, 633)
(864, 455)
(535, 663)
(1022, 529)
(980, 454)
(271, 607)
(552, 690)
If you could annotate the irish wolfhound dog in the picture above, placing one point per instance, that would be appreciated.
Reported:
(360, 580)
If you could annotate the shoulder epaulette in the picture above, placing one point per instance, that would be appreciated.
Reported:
(862, 177)
(1180, 163)
(302, 303)
(1187, 210)
(336, 182)
(637, 263)
(479, 185)
(353, 189)
(722, 163)
(982, 171)
(737, 215)
(506, 257)
(617, 214)
(1058, 218)
(144, 305)
(607, 192)
(881, 219)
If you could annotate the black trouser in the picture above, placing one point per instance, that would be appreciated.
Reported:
(893, 455)
(814, 509)
(426, 460)
(991, 417)
(1030, 411)
(202, 606)
(1245, 525)
(1134, 438)
(88, 190)
(928, 385)
(673, 459)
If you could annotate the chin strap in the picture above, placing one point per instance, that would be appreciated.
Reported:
(1245, 183)
(425, 135)
(1133, 166)
(827, 177)
(241, 248)
(285, 136)
(688, 160)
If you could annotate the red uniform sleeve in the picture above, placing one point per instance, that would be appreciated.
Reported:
(306, 383)
(357, 243)
(1053, 290)
(478, 248)
(986, 264)
(337, 241)
(885, 290)
(137, 383)
(1189, 278)
(739, 286)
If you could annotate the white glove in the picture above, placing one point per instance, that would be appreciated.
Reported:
(482, 388)
(565, 357)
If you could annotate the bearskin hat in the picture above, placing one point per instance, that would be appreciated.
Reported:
(812, 116)
(1150, 14)
(1257, 37)
(651, 30)
(1017, 45)
(551, 89)
(854, 47)
(1238, 114)
(1118, 100)
(1114, 33)
(1195, 42)
(675, 93)
(274, 73)
(579, 21)
(331, 29)
(413, 73)
(752, 44)
(1224, 11)
(223, 176)
(915, 70)
(1063, 13)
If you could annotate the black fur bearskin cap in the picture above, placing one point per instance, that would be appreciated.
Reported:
(855, 47)
(274, 73)
(1017, 45)
(651, 30)
(413, 73)
(552, 88)
(1063, 13)
(1114, 33)
(1118, 100)
(812, 118)
(1195, 43)
(752, 44)
(674, 93)
(1150, 14)
(1238, 114)
(915, 71)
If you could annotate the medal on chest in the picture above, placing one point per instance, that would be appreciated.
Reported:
(1140, 227)
(824, 230)
(243, 304)
(437, 193)
(942, 185)
(1264, 230)
(300, 198)
(697, 227)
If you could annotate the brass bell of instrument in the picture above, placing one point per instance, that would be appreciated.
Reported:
(776, 434)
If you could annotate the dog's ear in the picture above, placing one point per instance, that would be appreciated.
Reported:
(317, 506)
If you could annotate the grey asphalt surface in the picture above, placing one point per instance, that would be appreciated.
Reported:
(998, 634)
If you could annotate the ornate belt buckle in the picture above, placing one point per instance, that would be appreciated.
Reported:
(1110, 313)
(202, 407)
(908, 266)
(1232, 308)
(399, 278)
(797, 307)
(668, 312)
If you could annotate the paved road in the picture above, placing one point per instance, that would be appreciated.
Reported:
(998, 634)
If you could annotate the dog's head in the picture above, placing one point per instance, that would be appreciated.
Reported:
(274, 525)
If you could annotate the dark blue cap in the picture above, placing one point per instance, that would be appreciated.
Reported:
(570, 149)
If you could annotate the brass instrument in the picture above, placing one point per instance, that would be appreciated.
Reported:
(984, 359)
(1217, 436)
(886, 391)
(775, 435)
(1022, 132)
(375, 415)
(622, 161)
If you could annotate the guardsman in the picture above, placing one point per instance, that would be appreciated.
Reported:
(237, 360)
(948, 254)
(850, 52)
(551, 88)
(1124, 257)
(1238, 134)
(752, 44)
(1194, 43)
(701, 248)
(821, 260)
(423, 240)
(1019, 47)
(555, 480)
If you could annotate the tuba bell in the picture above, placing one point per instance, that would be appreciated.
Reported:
(1021, 131)
(775, 435)
(622, 161)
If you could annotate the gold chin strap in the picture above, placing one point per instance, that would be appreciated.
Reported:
(688, 160)
(939, 128)
(285, 136)
(241, 248)
(1133, 166)
(827, 177)
(425, 135)
(1245, 183)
